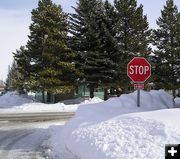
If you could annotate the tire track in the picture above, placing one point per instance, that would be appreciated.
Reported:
(5, 137)
(8, 147)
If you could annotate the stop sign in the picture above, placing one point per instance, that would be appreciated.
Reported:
(139, 69)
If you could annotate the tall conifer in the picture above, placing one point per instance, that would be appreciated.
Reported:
(132, 32)
(94, 42)
(52, 67)
(166, 39)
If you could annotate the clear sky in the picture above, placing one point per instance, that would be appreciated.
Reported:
(15, 17)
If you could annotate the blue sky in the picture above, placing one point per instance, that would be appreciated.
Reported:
(15, 19)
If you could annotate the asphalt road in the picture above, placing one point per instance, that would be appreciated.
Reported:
(22, 135)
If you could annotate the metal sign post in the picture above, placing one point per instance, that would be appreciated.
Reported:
(138, 98)
(138, 87)
(138, 70)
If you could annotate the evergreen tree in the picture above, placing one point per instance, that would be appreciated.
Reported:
(14, 81)
(133, 34)
(177, 66)
(82, 40)
(166, 39)
(93, 41)
(22, 65)
(52, 67)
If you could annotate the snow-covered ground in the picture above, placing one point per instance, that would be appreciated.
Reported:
(118, 129)
(13, 102)
(114, 129)
(24, 140)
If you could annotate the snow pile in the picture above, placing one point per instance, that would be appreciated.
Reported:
(41, 107)
(123, 137)
(11, 99)
(92, 100)
(82, 101)
(177, 102)
(100, 131)
(14, 102)
(127, 103)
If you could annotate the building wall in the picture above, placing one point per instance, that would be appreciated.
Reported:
(2, 85)
(61, 97)
(83, 91)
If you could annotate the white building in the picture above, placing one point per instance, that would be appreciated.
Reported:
(2, 85)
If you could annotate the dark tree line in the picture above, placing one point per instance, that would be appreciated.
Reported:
(167, 55)
(93, 46)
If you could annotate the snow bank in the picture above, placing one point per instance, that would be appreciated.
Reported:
(40, 107)
(92, 100)
(126, 137)
(82, 101)
(152, 100)
(98, 131)
(177, 102)
(14, 102)
(36, 107)
(11, 99)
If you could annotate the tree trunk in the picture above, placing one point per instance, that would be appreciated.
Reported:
(174, 93)
(43, 96)
(48, 97)
(105, 94)
(174, 96)
(91, 89)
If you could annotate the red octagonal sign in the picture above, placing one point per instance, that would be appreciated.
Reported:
(139, 69)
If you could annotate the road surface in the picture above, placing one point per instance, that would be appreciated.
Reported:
(24, 140)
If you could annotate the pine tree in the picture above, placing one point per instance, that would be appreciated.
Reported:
(93, 41)
(22, 64)
(52, 67)
(167, 43)
(133, 33)
(177, 66)
(110, 46)
(14, 81)
(82, 41)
